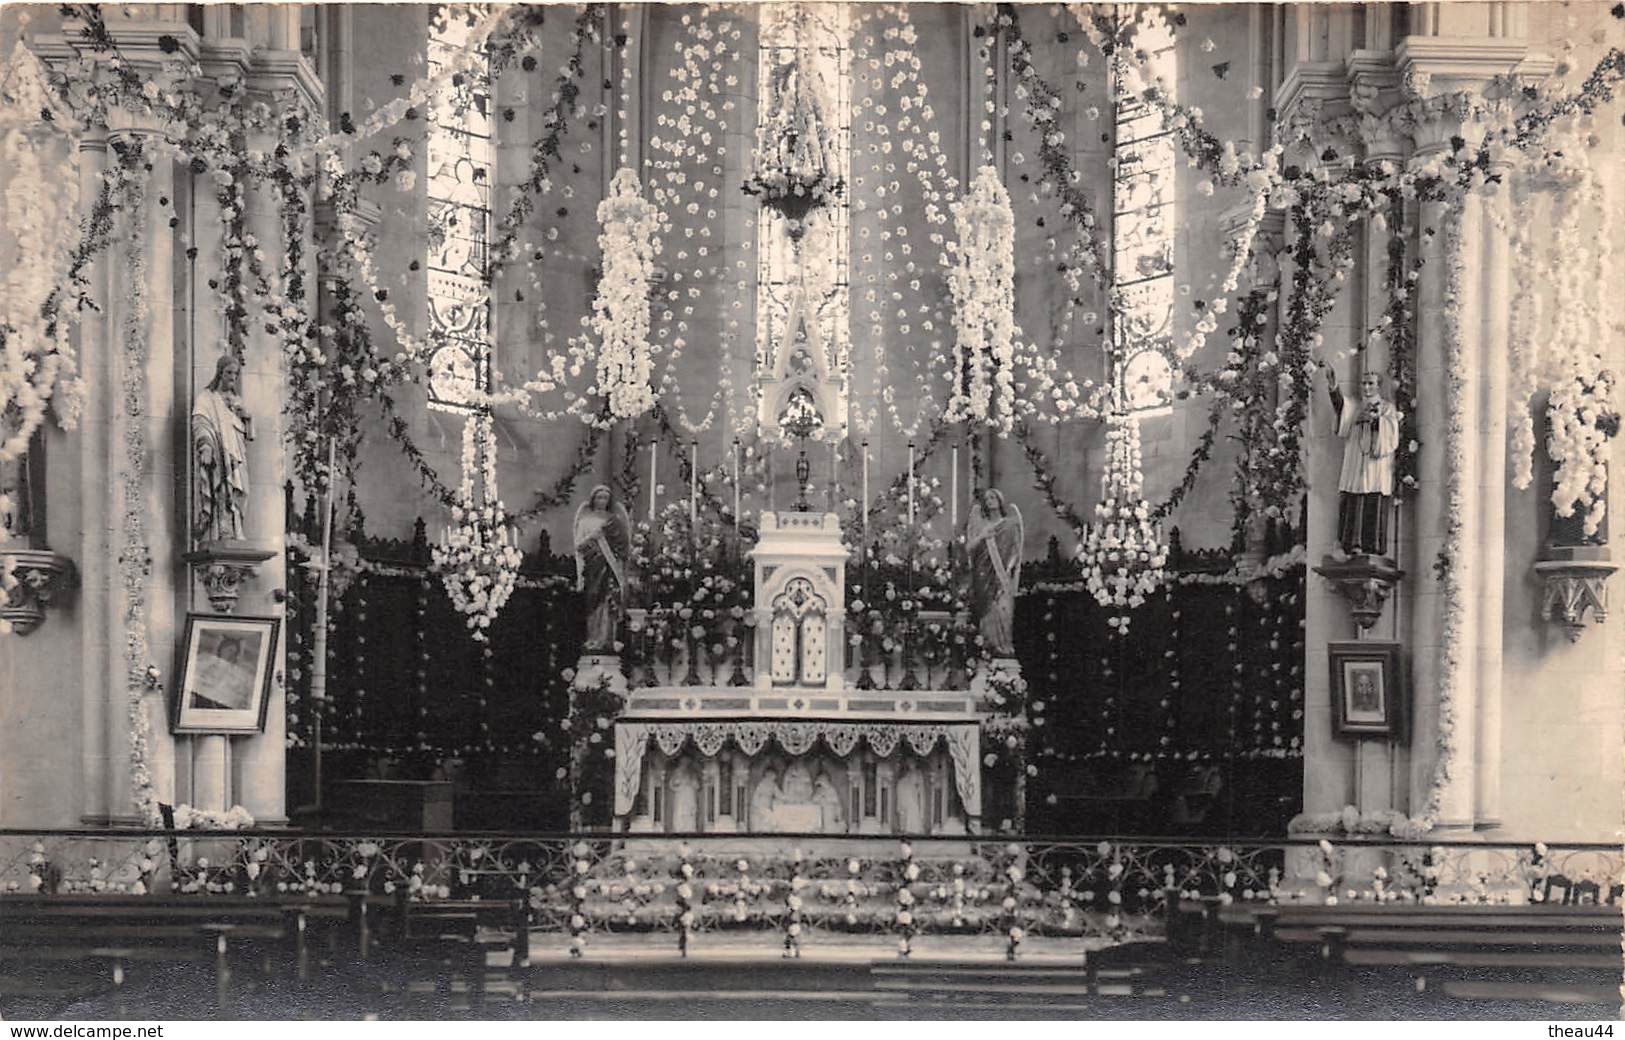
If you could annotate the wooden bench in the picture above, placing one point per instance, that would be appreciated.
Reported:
(105, 937)
(449, 941)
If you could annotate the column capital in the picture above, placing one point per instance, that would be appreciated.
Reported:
(287, 76)
(1433, 66)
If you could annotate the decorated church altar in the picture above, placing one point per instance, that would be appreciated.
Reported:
(799, 749)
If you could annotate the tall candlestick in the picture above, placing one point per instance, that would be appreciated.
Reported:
(865, 513)
(653, 460)
(693, 483)
(953, 492)
(736, 481)
(911, 483)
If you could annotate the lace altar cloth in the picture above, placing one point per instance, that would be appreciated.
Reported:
(796, 737)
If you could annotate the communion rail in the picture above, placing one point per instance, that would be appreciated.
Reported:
(1102, 890)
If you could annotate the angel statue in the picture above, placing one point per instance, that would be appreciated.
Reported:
(993, 537)
(603, 536)
(221, 430)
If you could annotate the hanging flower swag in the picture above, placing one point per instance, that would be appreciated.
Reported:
(1123, 555)
(628, 243)
(983, 288)
(478, 561)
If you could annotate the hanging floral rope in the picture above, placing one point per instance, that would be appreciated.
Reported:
(1122, 555)
(628, 242)
(983, 288)
(477, 560)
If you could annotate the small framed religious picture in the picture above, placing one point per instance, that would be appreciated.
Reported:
(1366, 688)
(223, 680)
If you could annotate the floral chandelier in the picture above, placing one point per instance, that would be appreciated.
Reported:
(477, 559)
(1123, 555)
(620, 318)
(793, 166)
(983, 287)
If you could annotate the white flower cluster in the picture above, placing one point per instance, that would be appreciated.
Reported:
(620, 318)
(477, 559)
(37, 365)
(983, 288)
(1584, 415)
(1123, 555)
(234, 819)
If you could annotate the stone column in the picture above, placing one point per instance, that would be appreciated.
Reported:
(1433, 515)
(99, 597)
(281, 77)
(1491, 264)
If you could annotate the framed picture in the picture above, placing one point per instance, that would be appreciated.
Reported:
(224, 674)
(1366, 688)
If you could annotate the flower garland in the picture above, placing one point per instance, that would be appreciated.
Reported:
(135, 555)
(1123, 555)
(628, 242)
(693, 124)
(38, 370)
(477, 560)
(983, 289)
(1452, 560)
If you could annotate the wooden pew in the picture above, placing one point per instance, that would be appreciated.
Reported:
(449, 941)
(107, 936)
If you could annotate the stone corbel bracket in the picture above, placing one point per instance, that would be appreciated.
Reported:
(37, 577)
(222, 567)
(1576, 581)
(1365, 581)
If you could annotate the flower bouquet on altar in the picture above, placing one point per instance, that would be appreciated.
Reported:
(1122, 555)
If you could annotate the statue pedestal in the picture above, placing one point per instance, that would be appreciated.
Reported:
(1365, 581)
(32, 579)
(592, 669)
(222, 567)
(1576, 580)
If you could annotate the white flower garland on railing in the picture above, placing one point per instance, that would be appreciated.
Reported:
(982, 283)
(620, 319)
(477, 559)
(1123, 555)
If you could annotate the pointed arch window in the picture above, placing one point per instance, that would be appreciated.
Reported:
(461, 156)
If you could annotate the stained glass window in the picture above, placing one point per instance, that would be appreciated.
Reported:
(1143, 192)
(814, 267)
(461, 154)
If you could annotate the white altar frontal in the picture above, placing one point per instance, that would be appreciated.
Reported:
(800, 748)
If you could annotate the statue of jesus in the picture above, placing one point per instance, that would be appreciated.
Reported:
(1370, 431)
(221, 430)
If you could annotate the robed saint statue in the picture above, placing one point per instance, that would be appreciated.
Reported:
(1369, 427)
(221, 430)
(603, 538)
(993, 538)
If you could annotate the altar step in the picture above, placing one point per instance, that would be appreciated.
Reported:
(818, 988)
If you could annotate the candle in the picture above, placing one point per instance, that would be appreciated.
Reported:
(865, 490)
(736, 481)
(911, 483)
(953, 491)
(693, 483)
(653, 459)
